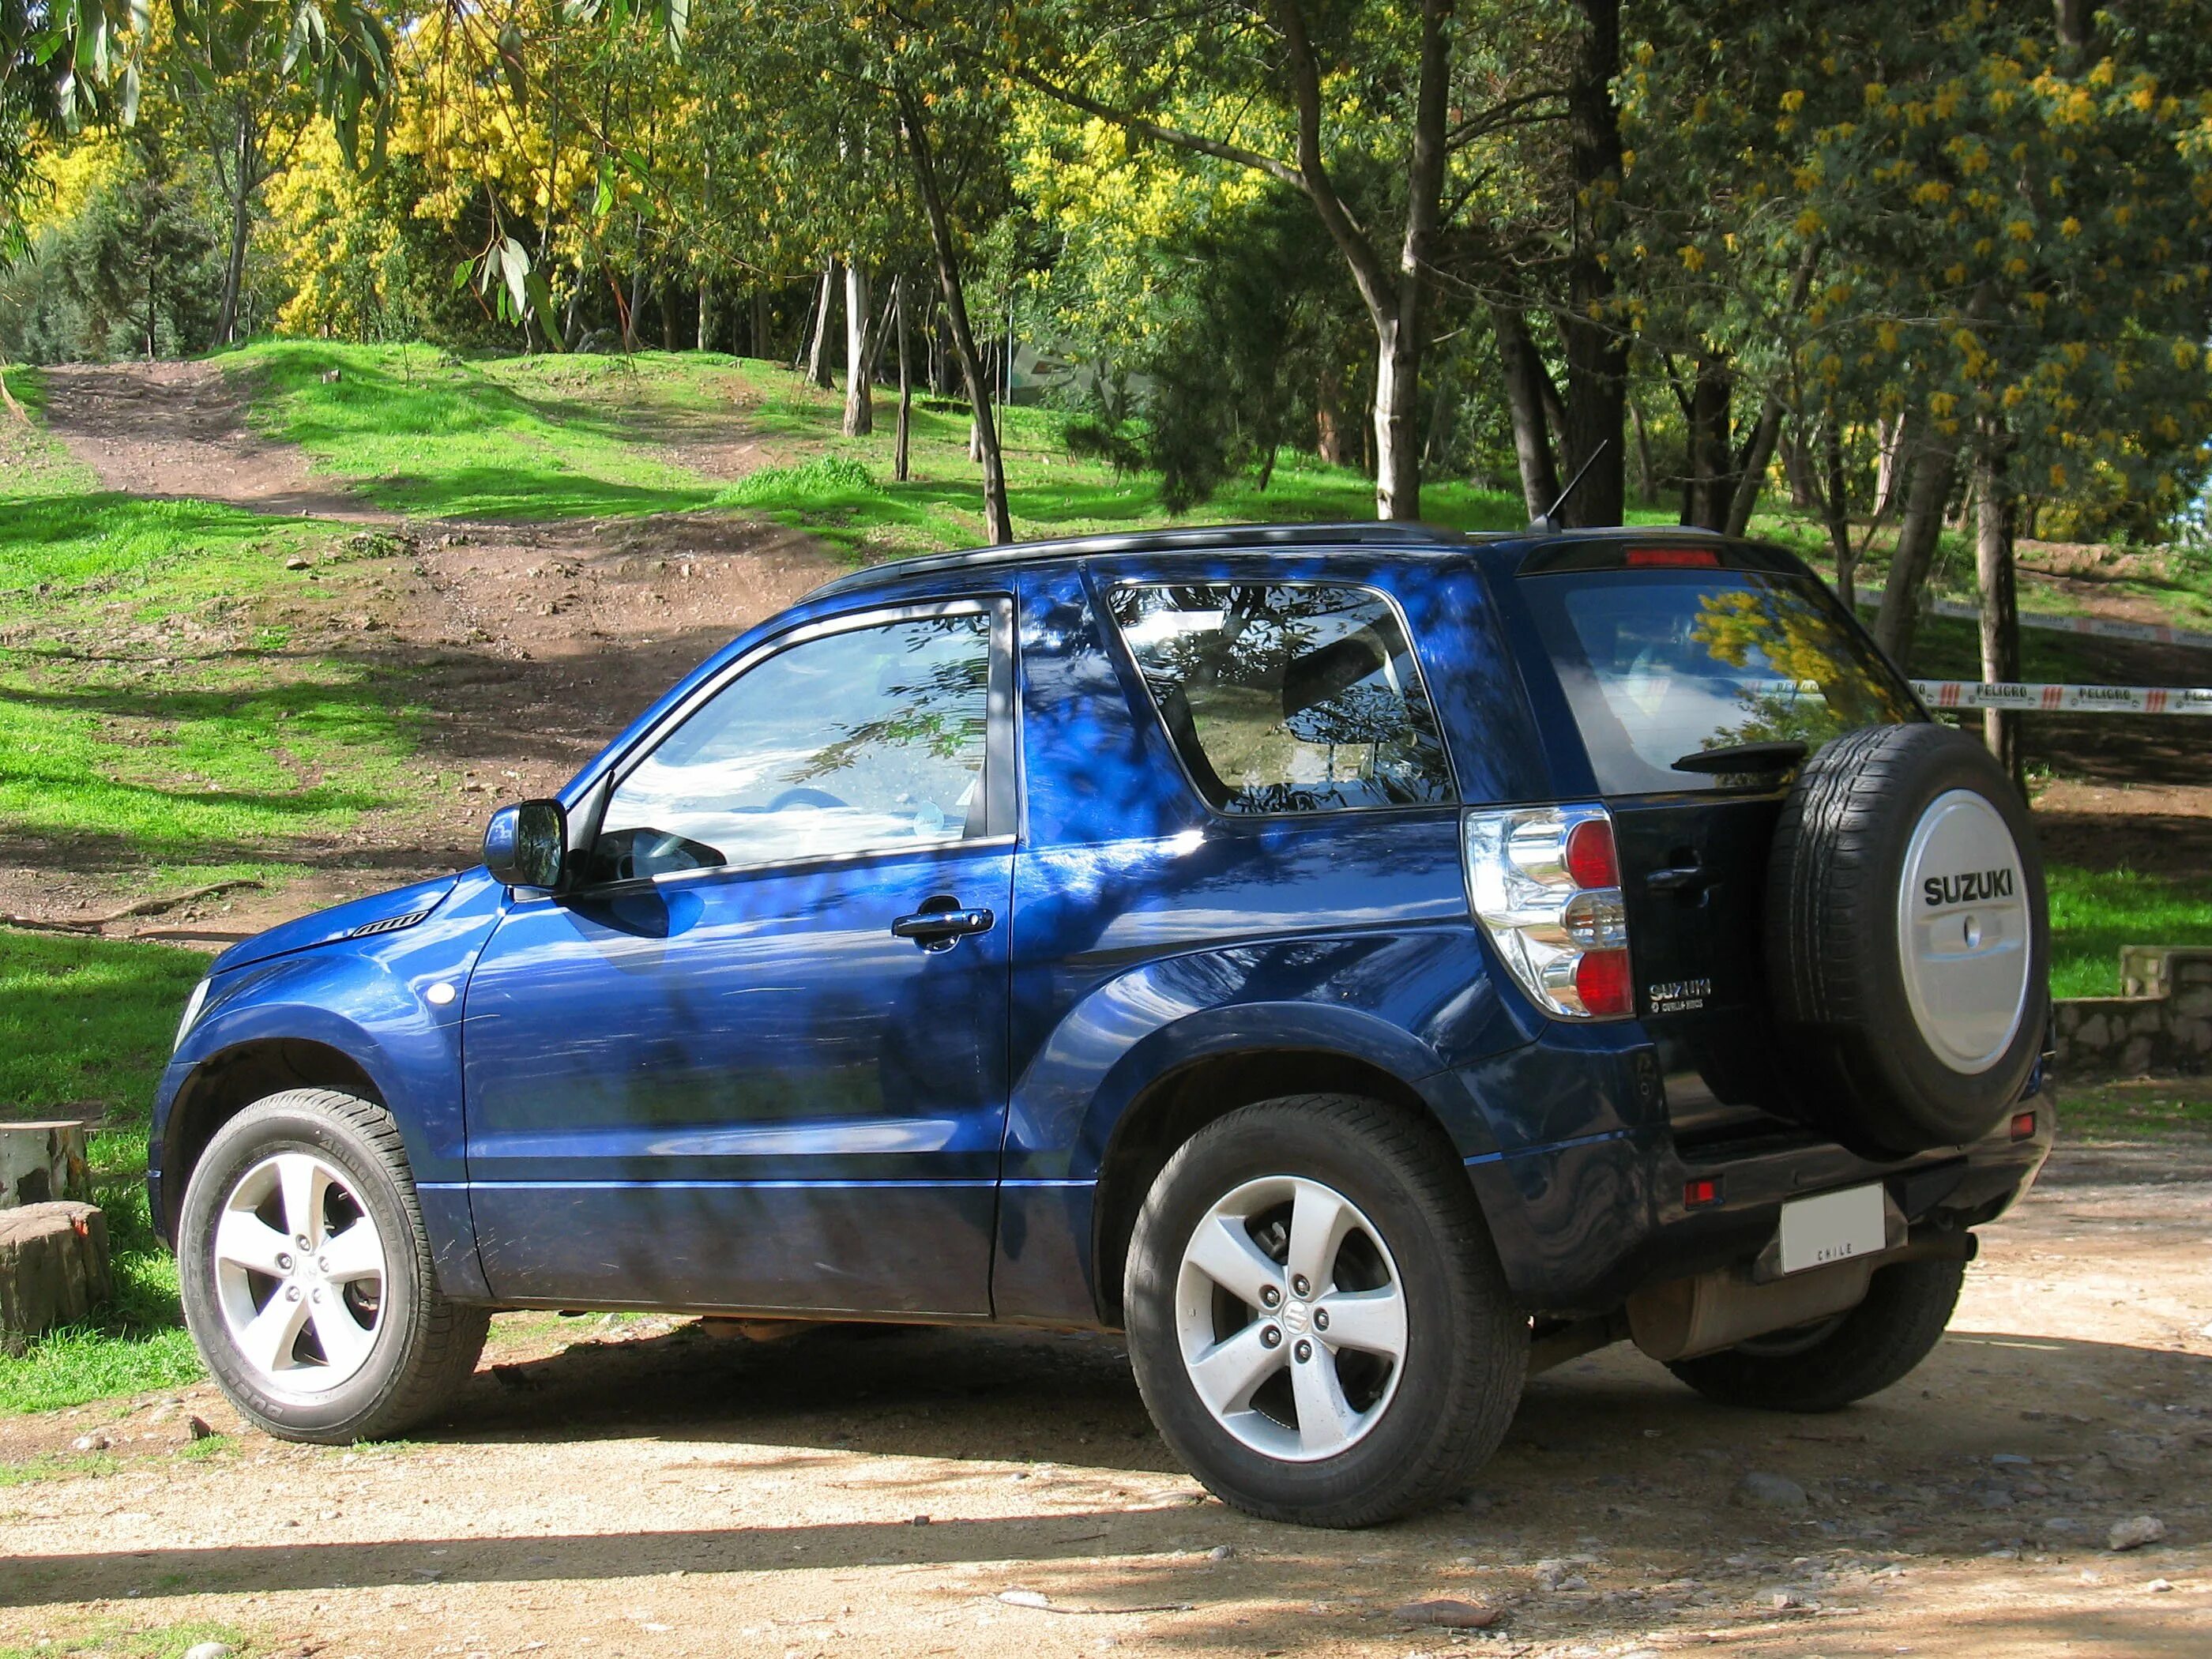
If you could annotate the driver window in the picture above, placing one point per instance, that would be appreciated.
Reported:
(863, 741)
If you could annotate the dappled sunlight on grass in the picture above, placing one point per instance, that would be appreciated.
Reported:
(2094, 912)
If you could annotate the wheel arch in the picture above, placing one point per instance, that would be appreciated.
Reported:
(230, 1080)
(1180, 1101)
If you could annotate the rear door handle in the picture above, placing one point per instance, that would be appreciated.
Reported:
(1683, 879)
(942, 929)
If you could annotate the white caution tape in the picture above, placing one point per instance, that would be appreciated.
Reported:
(2096, 627)
(2068, 699)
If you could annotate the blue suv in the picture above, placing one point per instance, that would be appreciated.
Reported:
(1362, 962)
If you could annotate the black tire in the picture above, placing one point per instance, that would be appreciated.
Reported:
(425, 1344)
(1873, 1074)
(1825, 1366)
(1465, 1345)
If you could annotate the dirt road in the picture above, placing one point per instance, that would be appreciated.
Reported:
(648, 1491)
(530, 643)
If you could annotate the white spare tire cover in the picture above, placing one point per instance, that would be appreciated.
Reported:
(1907, 940)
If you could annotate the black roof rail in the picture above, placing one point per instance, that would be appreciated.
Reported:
(1190, 538)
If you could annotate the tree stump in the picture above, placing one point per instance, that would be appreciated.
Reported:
(53, 1268)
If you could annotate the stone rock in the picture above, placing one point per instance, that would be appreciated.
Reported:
(1993, 1497)
(2012, 1459)
(1790, 1600)
(208, 1651)
(295, 563)
(196, 1428)
(1774, 1492)
(53, 1268)
(2159, 1584)
(2134, 1533)
(1447, 1615)
(1222, 1553)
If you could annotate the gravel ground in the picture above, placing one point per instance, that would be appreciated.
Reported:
(637, 1487)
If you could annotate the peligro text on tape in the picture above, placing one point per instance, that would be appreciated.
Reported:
(2068, 699)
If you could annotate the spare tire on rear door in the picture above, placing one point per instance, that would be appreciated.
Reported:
(1908, 940)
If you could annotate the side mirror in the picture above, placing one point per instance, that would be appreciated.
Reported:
(524, 846)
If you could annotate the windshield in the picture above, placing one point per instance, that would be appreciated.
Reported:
(1661, 665)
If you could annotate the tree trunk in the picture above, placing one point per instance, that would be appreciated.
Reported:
(1888, 476)
(245, 165)
(1397, 416)
(1596, 350)
(1797, 467)
(860, 346)
(1928, 487)
(1332, 426)
(671, 331)
(636, 299)
(2000, 626)
(705, 341)
(900, 445)
(1751, 473)
(1709, 491)
(1526, 378)
(998, 518)
(1647, 479)
(818, 354)
(760, 327)
(1836, 511)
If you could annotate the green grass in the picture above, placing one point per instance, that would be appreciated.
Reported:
(427, 433)
(155, 718)
(106, 1634)
(85, 1029)
(2135, 1108)
(421, 431)
(2094, 912)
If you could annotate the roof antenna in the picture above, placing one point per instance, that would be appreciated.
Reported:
(1547, 523)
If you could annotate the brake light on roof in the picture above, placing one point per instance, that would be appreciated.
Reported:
(1545, 883)
(1671, 558)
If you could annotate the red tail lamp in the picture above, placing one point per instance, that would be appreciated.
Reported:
(2023, 1126)
(1601, 981)
(1591, 860)
(1698, 1193)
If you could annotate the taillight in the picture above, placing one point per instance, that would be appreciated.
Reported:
(1545, 882)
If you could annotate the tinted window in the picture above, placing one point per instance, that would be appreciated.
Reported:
(857, 742)
(1663, 664)
(1286, 697)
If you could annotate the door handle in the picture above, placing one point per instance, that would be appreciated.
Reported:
(940, 929)
(1683, 879)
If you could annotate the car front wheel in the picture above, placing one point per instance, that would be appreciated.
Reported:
(306, 1276)
(1315, 1314)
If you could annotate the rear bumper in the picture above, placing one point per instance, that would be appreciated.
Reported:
(1580, 1226)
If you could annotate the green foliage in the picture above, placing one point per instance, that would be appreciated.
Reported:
(137, 273)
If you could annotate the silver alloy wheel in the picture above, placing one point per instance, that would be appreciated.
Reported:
(299, 1273)
(1963, 922)
(1291, 1318)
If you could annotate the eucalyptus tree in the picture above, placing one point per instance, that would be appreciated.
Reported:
(1379, 112)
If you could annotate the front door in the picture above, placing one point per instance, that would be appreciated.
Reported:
(754, 1056)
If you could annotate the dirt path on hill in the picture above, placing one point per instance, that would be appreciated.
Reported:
(531, 644)
(638, 1489)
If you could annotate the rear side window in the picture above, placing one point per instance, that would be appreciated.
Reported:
(1287, 696)
(1663, 664)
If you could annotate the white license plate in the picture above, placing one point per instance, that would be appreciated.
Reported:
(1833, 1227)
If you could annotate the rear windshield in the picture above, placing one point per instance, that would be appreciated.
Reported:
(1663, 664)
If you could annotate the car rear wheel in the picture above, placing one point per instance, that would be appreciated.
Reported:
(306, 1276)
(1826, 1365)
(1316, 1317)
